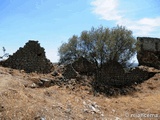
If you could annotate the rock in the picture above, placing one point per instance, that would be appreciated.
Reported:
(45, 82)
(117, 118)
(33, 85)
(149, 53)
(69, 72)
(39, 118)
(55, 73)
(40, 82)
(1, 108)
(92, 107)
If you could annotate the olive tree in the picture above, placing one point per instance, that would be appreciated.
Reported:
(100, 45)
(69, 51)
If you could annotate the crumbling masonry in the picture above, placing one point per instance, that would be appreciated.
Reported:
(149, 53)
(30, 58)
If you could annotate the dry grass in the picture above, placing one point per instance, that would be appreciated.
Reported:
(18, 102)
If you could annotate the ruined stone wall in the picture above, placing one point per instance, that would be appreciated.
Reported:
(149, 53)
(111, 74)
(117, 80)
(149, 44)
(83, 66)
(30, 58)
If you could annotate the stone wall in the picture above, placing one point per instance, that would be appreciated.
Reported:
(112, 68)
(149, 44)
(30, 58)
(113, 74)
(81, 66)
(149, 53)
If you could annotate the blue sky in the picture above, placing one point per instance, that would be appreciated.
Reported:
(53, 22)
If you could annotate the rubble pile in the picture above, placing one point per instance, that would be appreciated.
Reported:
(113, 79)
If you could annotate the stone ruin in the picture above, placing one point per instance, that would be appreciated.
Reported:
(114, 80)
(112, 73)
(30, 58)
(149, 53)
(110, 79)
(81, 66)
(112, 68)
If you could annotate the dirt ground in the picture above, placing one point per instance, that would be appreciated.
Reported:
(20, 101)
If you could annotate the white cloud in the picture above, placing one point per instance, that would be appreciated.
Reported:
(108, 10)
(153, 22)
(142, 27)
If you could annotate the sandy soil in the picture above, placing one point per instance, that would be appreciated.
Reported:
(19, 101)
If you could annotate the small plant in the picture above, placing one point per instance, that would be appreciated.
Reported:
(6, 55)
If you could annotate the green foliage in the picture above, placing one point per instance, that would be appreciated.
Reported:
(68, 51)
(100, 45)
